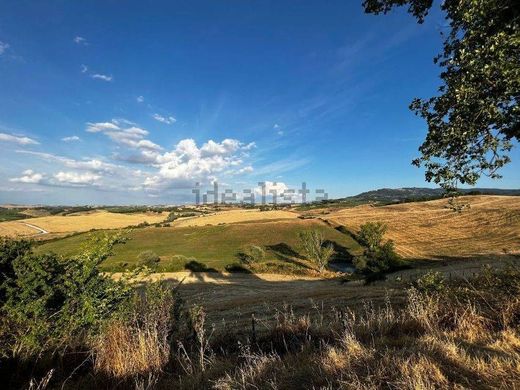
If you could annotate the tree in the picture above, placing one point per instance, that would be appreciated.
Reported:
(371, 235)
(476, 117)
(313, 245)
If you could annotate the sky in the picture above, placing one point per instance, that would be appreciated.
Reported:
(133, 102)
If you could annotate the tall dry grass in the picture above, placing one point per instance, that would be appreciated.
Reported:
(447, 335)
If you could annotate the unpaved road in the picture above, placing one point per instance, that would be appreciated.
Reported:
(41, 231)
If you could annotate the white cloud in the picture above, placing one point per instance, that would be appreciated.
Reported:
(280, 132)
(140, 99)
(92, 164)
(16, 139)
(71, 139)
(80, 41)
(188, 163)
(99, 76)
(132, 137)
(101, 126)
(86, 178)
(28, 176)
(84, 68)
(3, 47)
(169, 120)
(276, 126)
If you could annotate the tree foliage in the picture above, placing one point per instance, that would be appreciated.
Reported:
(475, 119)
(315, 249)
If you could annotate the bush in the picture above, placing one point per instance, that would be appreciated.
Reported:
(52, 303)
(312, 243)
(252, 254)
(149, 259)
(430, 282)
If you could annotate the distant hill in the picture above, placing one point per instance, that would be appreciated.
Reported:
(394, 195)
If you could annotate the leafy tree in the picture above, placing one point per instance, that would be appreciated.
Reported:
(371, 235)
(474, 120)
(313, 245)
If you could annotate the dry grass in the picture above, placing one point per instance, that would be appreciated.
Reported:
(234, 216)
(81, 222)
(430, 230)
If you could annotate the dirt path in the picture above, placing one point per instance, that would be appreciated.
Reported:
(232, 298)
(41, 231)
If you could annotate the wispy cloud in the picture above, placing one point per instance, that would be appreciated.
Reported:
(169, 120)
(71, 139)
(84, 68)
(3, 47)
(80, 40)
(140, 99)
(20, 140)
(104, 77)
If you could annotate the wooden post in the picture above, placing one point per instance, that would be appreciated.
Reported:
(253, 328)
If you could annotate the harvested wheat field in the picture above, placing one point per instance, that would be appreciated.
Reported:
(422, 230)
(80, 222)
(235, 216)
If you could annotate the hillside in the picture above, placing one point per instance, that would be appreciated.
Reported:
(431, 230)
(393, 195)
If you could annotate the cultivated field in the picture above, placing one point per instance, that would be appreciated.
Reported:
(234, 216)
(79, 222)
(430, 230)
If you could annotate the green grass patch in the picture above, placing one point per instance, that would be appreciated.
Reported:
(214, 246)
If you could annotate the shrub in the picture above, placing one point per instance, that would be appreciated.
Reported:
(430, 282)
(53, 303)
(251, 254)
(312, 243)
(149, 259)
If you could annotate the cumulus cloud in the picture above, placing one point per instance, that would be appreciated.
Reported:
(28, 176)
(80, 41)
(72, 138)
(99, 76)
(18, 140)
(188, 163)
(75, 178)
(169, 120)
(3, 47)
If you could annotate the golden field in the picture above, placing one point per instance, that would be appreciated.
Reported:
(234, 216)
(431, 230)
(79, 222)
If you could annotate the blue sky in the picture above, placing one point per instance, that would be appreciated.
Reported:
(111, 102)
